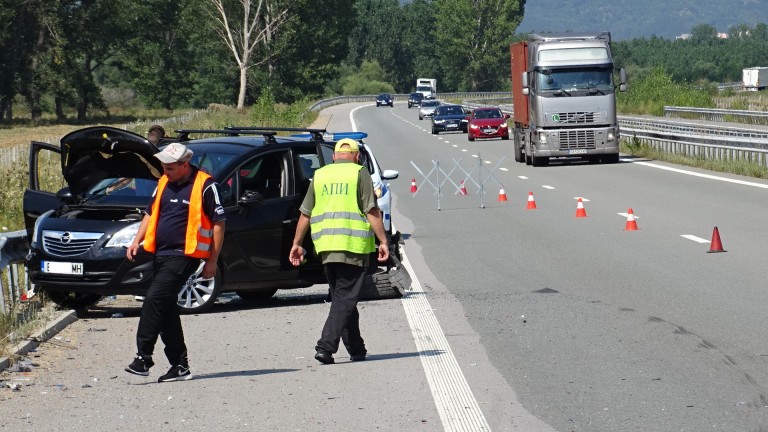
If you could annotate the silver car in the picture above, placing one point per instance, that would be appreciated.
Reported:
(427, 108)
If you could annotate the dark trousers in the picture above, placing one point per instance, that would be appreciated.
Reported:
(159, 315)
(343, 321)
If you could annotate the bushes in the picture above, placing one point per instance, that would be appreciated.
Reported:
(650, 94)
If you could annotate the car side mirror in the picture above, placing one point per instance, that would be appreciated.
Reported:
(250, 198)
(65, 196)
(506, 116)
(389, 175)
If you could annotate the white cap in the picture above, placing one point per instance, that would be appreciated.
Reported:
(174, 153)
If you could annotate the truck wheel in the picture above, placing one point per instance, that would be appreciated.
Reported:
(528, 160)
(518, 149)
(610, 159)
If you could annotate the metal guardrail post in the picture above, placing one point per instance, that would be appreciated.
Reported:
(13, 249)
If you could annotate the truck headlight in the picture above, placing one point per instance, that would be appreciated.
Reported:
(611, 135)
(543, 138)
(125, 236)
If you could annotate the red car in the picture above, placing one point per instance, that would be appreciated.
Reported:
(487, 122)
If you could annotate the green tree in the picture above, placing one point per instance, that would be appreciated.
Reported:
(473, 39)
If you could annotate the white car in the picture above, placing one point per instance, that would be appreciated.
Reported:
(427, 108)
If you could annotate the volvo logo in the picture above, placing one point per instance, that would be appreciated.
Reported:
(66, 238)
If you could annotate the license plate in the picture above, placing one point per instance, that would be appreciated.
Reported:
(577, 151)
(452, 126)
(488, 131)
(70, 268)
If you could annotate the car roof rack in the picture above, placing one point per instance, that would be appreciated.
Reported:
(269, 135)
(315, 134)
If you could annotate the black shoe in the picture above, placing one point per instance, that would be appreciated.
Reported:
(324, 357)
(140, 366)
(176, 373)
(357, 357)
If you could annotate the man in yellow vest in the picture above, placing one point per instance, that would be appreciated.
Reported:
(183, 224)
(340, 209)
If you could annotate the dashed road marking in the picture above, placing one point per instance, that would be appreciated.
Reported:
(694, 238)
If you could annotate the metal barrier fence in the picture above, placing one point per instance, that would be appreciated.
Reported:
(716, 114)
(13, 276)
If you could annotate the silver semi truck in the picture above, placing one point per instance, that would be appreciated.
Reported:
(563, 96)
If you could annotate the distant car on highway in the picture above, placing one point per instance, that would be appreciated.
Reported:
(449, 118)
(384, 99)
(427, 108)
(415, 98)
(487, 122)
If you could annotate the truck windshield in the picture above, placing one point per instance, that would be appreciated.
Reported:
(424, 88)
(595, 80)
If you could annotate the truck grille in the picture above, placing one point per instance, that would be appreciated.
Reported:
(577, 139)
(68, 243)
(577, 117)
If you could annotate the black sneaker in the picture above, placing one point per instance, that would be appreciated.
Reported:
(176, 373)
(324, 357)
(140, 366)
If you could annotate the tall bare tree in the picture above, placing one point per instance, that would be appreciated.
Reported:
(247, 33)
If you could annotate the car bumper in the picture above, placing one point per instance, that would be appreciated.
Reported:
(110, 275)
(450, 127)
(491, 132)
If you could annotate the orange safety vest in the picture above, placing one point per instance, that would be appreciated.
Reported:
(199, 226)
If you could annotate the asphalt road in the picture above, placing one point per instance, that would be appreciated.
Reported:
(528, 320)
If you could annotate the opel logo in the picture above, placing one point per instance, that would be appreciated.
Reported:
(66, 238)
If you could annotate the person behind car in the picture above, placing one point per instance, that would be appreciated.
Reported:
(341, 212)
(155, 134)
(184, 223)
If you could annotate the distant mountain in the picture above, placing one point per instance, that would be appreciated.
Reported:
(629, 19)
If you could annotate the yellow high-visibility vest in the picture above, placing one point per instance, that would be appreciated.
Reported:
(337, 224)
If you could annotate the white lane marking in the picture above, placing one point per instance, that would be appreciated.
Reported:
(503, 169)
(522, 177)
(475, 156)
(464, 150)
(695, 174)
(626, 215)
(694, 238)
(582, 198)
(487, 162)
(456, 404)
(548, 187)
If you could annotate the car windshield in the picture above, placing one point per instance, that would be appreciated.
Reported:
(123, 186)
(430, 104)
(488, 114)
(383, 96)
(450, 110)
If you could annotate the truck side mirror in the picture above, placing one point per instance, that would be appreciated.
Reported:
(622, 80)
(524, 80)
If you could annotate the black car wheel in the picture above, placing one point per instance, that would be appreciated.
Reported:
(435, 131)
(198, 295)
(256, 295)
(72, 300)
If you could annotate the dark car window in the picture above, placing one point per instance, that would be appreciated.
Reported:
(264, 174)
(488, 114)
(450, 110)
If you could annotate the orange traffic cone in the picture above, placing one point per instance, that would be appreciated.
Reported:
(580, 211)
(531, 201)
(716, 246)
(413, 185)
(462, 189)
(502, 195)
(631, 223)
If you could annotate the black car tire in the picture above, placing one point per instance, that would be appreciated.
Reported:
(435, 131)
(470, 137)
(379, 283)
(421, 118)
(256, 295)
(199, 295)
(73, 300)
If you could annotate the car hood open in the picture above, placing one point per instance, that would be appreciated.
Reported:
(92, 154)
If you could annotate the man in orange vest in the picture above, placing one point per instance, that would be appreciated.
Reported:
(183, 224)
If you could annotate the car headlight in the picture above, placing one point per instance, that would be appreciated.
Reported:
(503, 125)
(473, 126)
(36, 229)
(439, 121)
(125, 236)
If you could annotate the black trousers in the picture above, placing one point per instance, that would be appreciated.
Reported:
(159, 315)
(343, 320)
